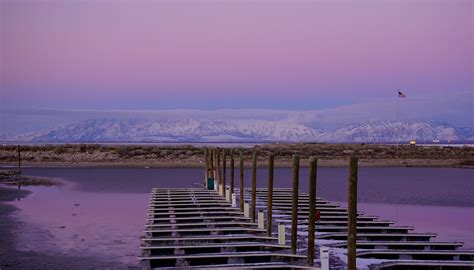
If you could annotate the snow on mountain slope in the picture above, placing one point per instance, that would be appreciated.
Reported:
(182, 130)
(385, 131)
(241, 130)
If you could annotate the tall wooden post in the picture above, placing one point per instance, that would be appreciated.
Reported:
(218, 168)
(313, 163)
(241, 172)
(19, 158)
(270, 195)
(352, 214)
(232, 173)
(294, 212)
(214, 167)
(224, 168)
(211, 163)
(254, 185)
(206, 166)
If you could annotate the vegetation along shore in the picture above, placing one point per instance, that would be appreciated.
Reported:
(330, 155)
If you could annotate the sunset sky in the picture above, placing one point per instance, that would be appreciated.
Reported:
(272, 54)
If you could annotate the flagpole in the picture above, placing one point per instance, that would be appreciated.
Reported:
(398, 120)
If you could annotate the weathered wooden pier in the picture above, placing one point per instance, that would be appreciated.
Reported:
(198, 228)
(222, 226)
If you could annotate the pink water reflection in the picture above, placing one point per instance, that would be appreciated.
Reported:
(104, 225)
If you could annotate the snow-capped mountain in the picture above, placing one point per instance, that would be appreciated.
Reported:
(387, 131)
(242, 130)
(180, 130)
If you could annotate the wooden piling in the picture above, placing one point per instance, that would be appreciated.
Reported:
(211, 161)
(241, 172)
(218, 169)
(206, 166)
(352, 214)
(254, 185)
(232, 173)
(209, 157)
(270, 195)
(224, 168)
(19, 159)
(313, 163)
(294, 212)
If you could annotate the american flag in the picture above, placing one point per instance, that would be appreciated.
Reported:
(401, 95)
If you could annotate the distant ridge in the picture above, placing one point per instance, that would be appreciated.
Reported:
(113, 130)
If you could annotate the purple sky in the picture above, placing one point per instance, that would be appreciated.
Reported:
(234, 54)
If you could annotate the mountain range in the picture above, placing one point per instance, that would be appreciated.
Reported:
(193, 130)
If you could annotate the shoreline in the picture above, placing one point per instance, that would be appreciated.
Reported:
(329, 155)
(339, 163)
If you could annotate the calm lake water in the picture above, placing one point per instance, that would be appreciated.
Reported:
(101, 212)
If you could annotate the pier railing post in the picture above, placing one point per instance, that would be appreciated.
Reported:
(224, 168)
(352, 214)
(294, 212)
(270, 194)
(313, 162)
(254, 185)
(241, 172)
(19, 159)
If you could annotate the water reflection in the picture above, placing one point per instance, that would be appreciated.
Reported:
(101, 212)
(106, 225)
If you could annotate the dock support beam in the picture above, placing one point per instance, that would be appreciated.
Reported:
(352, 214)
(241, 172)
(313, 162)
(270, 194)
(254, 185)
(294, 212)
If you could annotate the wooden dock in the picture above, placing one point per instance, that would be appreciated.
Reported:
(198, 228)
(237, 228)
(395, 247)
